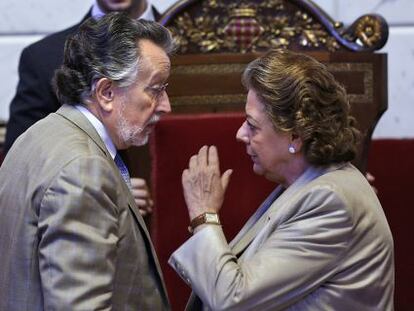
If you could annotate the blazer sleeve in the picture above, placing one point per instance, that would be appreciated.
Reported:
(34, 98)
(78, 224)
(291, 258)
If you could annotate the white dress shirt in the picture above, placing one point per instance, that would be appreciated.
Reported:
(147, 15)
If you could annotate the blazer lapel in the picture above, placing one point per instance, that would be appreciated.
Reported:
(274, 202)
(89, 14)
(140, 220)
(76, 117)
(156, 13)
(310, 174)
(281, 206)
(254, 224)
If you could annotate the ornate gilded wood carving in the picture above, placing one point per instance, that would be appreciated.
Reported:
(255, 26)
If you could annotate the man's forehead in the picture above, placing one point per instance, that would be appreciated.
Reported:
(149, 48)
(151, 54)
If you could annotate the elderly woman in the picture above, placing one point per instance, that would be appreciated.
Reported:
(320, 241)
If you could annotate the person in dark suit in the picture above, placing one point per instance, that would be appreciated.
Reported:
(71, 237)
(35, 97)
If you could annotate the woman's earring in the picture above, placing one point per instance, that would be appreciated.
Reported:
(292, 149)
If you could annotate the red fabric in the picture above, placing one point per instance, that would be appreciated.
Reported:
(243, 30)
(177, 137)
(174, 141)
(392, 164)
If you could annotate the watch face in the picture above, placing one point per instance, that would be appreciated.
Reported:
(211, 217)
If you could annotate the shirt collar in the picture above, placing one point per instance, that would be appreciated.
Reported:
(147, 15)
(100, 128)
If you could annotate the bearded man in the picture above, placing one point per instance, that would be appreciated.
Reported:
(71, 236)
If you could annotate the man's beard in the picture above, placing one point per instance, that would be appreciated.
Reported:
(134, 135)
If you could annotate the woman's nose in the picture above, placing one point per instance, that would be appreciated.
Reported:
(241, 134)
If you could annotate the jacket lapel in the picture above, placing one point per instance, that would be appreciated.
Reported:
(134, 209)
(273, 203)
(286, 197)
(76, 117)
(157, 14)
(254, 224)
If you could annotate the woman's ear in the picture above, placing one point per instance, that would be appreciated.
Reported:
(104, 93)
(296, 142)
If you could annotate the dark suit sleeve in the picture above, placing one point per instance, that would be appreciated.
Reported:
(34, 97)
(78, 223)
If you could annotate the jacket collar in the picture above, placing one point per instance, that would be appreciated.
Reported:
(273, 203)
(76, 117)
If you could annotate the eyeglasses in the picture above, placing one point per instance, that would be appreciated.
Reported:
(157, 91)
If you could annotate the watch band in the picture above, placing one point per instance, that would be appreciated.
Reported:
(205, 218)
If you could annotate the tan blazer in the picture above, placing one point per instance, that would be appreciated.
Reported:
(323, 244)
(71, 236)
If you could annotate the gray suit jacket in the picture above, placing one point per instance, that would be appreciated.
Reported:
(323, 244)
(71, 236)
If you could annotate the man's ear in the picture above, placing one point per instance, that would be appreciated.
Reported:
(104, 93)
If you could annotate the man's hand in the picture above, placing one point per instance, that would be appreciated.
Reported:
(371, 180)
(142, 196)
(204, 187)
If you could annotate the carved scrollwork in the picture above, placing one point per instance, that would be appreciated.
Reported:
(369, 32)
(254, 26)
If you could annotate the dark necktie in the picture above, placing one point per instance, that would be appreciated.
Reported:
(123, 169)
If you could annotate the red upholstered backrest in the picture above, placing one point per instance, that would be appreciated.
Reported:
(391, 161)
(175, 139)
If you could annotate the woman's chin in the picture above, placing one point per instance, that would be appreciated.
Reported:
(257, 169)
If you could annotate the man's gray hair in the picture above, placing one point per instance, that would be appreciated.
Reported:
(105, 48)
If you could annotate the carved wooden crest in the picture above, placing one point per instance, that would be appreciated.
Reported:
(213, 26)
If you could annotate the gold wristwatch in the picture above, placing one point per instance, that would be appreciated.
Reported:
(205, 218)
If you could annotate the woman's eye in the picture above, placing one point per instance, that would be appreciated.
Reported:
(251, 126)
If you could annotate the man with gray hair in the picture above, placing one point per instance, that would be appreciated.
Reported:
(35, 98)
(71, 237)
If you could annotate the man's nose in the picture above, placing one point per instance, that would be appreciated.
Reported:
(164, 104)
